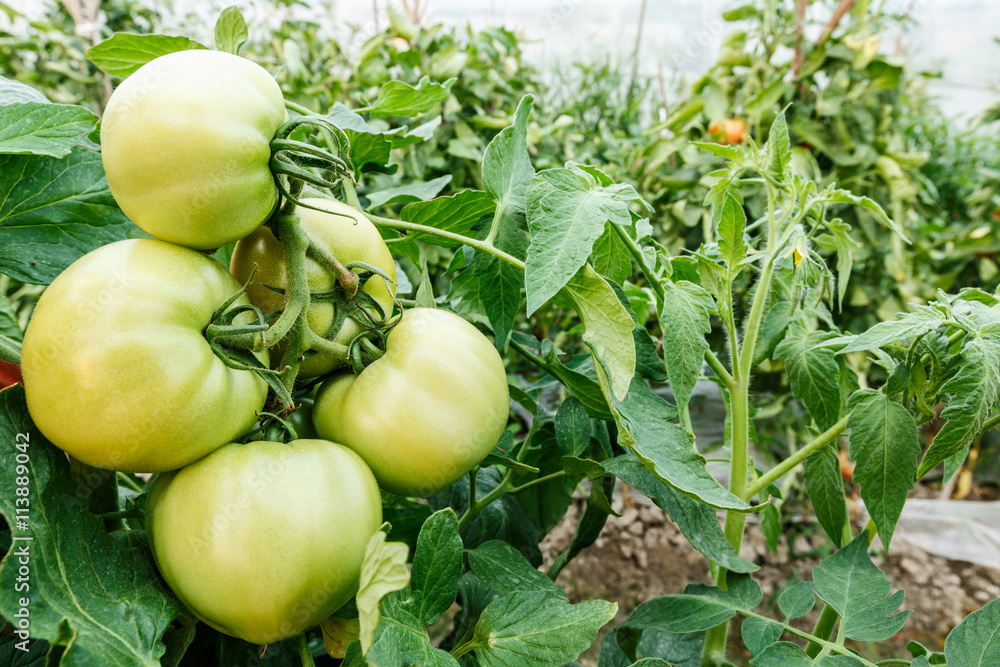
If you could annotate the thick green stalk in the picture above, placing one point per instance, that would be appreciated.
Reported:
(304, 654)
(295, 243)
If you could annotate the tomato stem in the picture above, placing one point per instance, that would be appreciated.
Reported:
(294, 244)
(304, 653)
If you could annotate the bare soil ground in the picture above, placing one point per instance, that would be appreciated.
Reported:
(642, 554)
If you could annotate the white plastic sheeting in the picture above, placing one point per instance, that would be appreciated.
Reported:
(956, 529)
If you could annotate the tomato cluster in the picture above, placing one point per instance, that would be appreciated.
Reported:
(258, 538)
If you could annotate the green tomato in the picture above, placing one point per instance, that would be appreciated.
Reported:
(345, 234)
(263, 541)
(427, 411)
(185, 142)
(116, 368)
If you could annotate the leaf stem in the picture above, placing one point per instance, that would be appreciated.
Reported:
(489, 248)
(459, 651)
(991, 422)
(298, 108)
(535, 482)
(720, 370)
(129, 482)
(476, 506)
(780, 470)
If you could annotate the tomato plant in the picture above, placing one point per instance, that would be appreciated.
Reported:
(496, 316)
(426, 412)
(185, 142)
(93, 360)
(235, 534)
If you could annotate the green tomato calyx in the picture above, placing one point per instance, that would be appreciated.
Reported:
(295, 163)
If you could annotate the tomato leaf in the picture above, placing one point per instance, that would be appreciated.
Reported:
(885, 447)
(607, 330)
(825, 488)
(849, 582)
(696, 520)
(975, 641)
(699, 608)
(797, 600)
(567, 210)
(397, 98)
(812, 373)
(79, 574)
(14, 92)
(43, 129)
(231, 30)
(415, 191)
(507, 171)
(383, 571)
(685, 318)
(538, 628)
(667, 449)
(458, 214)
(437, 567)
(975, 388)
(922, 320)
(758, 633)
(54, 211)
(122, 54)
(503, 568)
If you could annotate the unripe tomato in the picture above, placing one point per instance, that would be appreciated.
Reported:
(263, 541)
(427, 411)
(117, 371)
(345, 234)
(185, 142)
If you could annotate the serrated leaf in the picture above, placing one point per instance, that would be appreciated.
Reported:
(79, 574)
(840, 240)
(568, 209)
(797, 600)
(457, 214)
(13, 92)
(885, 447)
(607, 330)
(437, 567)
(123, 53)
(415, 191)
(812, 373)
(397, 98)
(787, 654)
(500, 284)
(825, 488)
(400, 640)
(731, 153)
(231, 30)
(976, 387)
(535, 629)
(503, 568)
(975, 642)
(922, 320)
(732, 245)
(53, 212)
(870, 205)
(40, 128)
(611, 258)
(382, 572)
(849, 582)
(696, 520)
(778, 151)
(685, 316)
(699, 608)
(573, 427)
(667, 449)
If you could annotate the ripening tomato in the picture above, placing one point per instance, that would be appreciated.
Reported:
(263, 541)
(117, 370)
(185, 142)
(427, 411)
